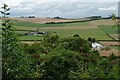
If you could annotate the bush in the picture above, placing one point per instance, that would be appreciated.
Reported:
(59, 65)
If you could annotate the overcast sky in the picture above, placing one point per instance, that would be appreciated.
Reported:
(62, 8)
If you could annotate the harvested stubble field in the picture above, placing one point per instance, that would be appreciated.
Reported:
(45, 20)
(102, 22)
(115, 36)
(106, 43)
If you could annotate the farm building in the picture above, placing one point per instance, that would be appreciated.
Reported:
(97, 45)
(36, 33)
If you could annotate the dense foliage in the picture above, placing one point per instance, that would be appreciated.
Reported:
(54, 58)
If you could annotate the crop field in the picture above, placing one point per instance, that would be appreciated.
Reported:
(38, 25)
(102, 22)
(109, 52)
(106, 43)
(115, 36)
(109, 29)
(115, 47)
(31, 37)
(83, 29)
(83, 33)
(45, 20)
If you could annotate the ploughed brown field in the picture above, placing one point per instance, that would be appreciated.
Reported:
(109, 52)
(45, 20)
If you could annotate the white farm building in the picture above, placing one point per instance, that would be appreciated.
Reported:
(97, 45)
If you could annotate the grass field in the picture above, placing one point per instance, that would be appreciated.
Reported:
(109, 29)
(83, 33)
(98, 31)
(30, 37)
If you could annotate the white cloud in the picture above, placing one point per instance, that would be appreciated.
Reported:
(63, 8)
(107, 8)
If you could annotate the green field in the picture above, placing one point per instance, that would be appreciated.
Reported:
(31, 37)
(109, 29)
(100, 33)
(83, 33)
(115, 47)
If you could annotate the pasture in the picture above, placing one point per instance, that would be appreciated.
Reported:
(83, 33)
(83, 29)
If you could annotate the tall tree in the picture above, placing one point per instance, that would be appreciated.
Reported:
(15, 64)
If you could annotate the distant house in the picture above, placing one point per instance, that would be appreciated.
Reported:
(97, 45)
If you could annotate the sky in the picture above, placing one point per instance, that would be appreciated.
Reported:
(61, 8)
